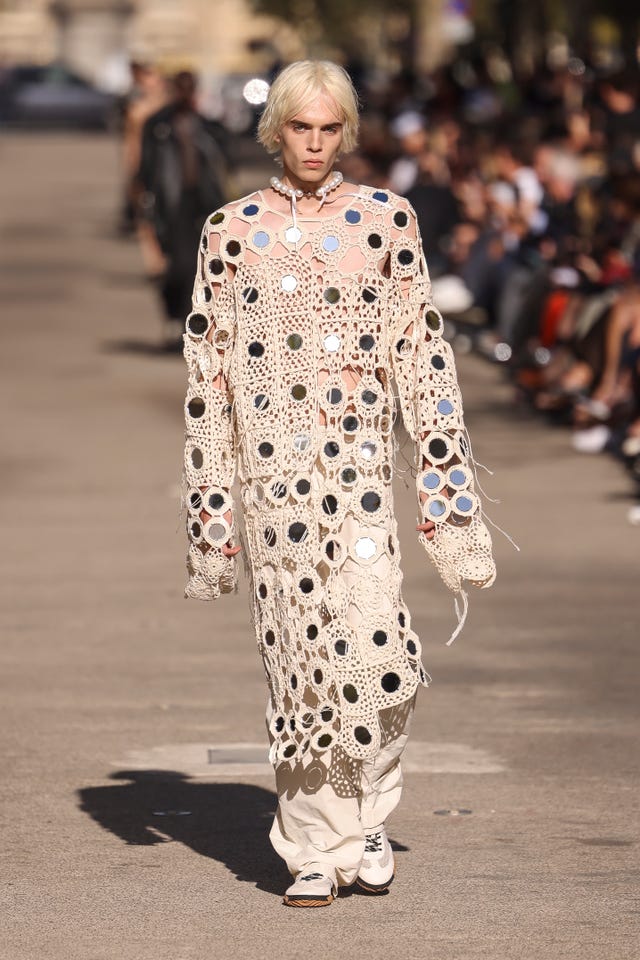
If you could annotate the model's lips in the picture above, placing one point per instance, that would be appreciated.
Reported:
(313, 163)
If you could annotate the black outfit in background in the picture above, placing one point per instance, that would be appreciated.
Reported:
(438, 213)
(182, 169)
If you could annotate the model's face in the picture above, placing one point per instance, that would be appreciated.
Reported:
(310, 142)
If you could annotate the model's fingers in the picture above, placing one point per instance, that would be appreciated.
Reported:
(230, 551)
(428, 528)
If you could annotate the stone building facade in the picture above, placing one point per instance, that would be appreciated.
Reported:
(97, 38)
(216, 38)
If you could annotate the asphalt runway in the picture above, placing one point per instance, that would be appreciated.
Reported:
(135, 796)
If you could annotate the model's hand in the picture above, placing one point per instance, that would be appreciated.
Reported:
(428, 528)
(230, 551)
(226, 548)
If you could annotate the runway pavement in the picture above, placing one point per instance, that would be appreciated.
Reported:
(135, 796)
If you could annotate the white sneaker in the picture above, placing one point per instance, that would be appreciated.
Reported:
(311, 889)
(591, 439)
(377, 869)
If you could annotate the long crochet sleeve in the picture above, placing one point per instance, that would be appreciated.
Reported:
(431, 406)
(210, 449)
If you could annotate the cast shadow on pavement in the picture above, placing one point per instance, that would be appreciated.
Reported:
(143, 348)
(228, 822)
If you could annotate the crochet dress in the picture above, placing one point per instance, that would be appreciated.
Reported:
(300, 327)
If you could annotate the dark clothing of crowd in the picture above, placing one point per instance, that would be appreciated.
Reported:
(182, 174)
(528, 197)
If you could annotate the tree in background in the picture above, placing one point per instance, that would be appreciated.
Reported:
(376, 32)
(406, 34)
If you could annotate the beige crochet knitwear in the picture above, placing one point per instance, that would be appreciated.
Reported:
(300, 327)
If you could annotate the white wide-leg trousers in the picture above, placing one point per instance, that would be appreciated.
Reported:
(326, 804)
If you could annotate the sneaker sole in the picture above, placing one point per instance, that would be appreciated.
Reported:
(375, 887)
(307, 901)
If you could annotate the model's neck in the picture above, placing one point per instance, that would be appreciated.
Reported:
(307, 186)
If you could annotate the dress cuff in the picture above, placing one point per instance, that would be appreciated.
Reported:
(462, 553)
(210, 574)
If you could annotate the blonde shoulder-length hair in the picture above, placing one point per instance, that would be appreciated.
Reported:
(296, 86)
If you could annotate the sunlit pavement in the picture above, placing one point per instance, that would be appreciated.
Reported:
(135, 797)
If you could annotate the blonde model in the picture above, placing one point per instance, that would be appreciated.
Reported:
(311, 300)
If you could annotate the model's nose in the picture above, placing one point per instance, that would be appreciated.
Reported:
(314, 141)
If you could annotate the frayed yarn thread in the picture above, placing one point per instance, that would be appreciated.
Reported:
(461, 606)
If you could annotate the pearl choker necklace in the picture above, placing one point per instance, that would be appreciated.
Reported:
(298, 194)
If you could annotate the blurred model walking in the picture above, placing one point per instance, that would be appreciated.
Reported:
(182, 172)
